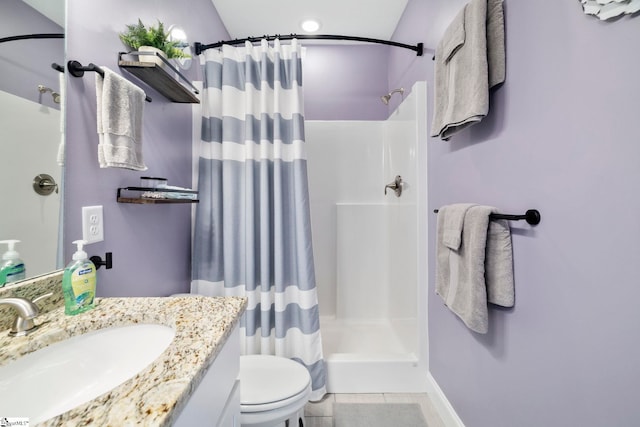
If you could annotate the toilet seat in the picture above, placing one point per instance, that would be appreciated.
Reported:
(272, 389)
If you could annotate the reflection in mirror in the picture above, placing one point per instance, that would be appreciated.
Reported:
(177, 34)
(31, 137)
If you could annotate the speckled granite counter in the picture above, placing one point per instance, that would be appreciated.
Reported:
(157, 394)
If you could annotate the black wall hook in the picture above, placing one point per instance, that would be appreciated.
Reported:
(98, 262)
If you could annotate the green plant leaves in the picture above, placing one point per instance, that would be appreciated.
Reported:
(138, 35)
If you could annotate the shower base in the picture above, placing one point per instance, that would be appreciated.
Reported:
(370, 356)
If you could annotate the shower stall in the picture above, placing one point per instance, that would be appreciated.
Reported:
(370, 248)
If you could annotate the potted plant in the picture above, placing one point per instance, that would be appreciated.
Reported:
(152, 39)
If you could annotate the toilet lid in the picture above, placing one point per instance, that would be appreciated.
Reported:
(267, 379)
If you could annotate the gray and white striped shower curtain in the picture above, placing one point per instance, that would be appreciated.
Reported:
(252, 235)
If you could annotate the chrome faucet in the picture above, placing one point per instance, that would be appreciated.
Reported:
(27, 311)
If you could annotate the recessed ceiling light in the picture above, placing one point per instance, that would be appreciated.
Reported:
(310, 25)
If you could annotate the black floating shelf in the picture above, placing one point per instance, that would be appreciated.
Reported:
(150, 201)
(158, 78)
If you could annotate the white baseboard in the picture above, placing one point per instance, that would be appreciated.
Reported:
(449, 416)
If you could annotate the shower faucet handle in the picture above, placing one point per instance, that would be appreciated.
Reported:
(396, 186)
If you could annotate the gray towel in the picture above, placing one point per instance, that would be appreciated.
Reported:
(460, 274)
(453, 216)
(119, 117)
(63, 96)
(470, 59)
(495, 42)
(499, 264)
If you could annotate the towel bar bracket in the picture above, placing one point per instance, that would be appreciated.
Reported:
(76, 69)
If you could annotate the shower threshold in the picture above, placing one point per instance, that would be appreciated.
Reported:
(369, 356)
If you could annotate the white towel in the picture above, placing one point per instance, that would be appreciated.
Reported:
(479, 271)
(469, 60)
(120, 106)
(63, 91)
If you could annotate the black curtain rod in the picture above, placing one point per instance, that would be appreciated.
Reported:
(199, 47)
(532, 216)
(33, 36)
(76, 69)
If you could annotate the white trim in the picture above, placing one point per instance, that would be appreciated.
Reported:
(250, 150)
(449, 416)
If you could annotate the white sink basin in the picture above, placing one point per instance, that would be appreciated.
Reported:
(66, 374)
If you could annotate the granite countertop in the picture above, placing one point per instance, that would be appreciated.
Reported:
(156, 395)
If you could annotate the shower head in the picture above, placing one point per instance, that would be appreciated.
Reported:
(54, 95)
(385, 98)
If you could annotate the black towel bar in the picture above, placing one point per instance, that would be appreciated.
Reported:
(76, 69)
(532, 216)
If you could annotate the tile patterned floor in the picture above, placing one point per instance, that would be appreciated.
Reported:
(320, 414)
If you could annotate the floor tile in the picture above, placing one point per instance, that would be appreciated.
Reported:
(322, 408)
(360, 398)
(319, 422)
(320, 414)
(423, 399)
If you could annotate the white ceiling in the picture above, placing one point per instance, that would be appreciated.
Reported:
(361, 18)
(52, 9)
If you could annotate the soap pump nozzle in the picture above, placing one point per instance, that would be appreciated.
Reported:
(79, 254)
(11, 251)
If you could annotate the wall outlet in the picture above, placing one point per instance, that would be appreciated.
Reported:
(92, 224)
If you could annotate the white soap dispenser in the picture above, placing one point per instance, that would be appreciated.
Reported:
(12, 268)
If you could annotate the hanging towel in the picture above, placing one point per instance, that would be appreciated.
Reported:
(453, 217)
(460, 273)
(470, 59)
(495, 43)
(120, 106)
(479, 271)
(499, 264)
(62, 91)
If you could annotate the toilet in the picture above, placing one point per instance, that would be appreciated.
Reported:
(273, 390)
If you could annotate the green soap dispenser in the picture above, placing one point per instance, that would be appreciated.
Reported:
(79, 282)
(12, 268)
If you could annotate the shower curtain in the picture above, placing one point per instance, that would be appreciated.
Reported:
(252, 234)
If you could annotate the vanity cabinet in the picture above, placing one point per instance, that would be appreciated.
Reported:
(216, 400)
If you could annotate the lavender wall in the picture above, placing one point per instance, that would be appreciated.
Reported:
(150, 243)
(561, 137)
(25, 64)
(345, 82)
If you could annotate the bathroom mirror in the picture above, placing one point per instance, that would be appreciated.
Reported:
(30, 130)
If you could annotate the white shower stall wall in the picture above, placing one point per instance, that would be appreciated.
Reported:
(370, 248)
(30, 134)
